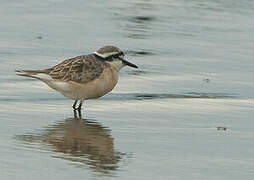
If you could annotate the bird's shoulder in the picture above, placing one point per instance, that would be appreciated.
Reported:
(79, 69)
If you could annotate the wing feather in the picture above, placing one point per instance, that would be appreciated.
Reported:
(80, 69)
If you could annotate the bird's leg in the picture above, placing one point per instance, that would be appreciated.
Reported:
(77, 116)
(80, 105)
(77, 109)
(74, 105)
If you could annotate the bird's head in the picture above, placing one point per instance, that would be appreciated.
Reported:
(113, 56)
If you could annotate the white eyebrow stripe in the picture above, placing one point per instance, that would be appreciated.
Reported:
(106, 54)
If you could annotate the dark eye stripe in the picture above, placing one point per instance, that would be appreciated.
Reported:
(115, 55)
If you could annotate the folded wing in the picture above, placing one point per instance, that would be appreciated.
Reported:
(80, 69)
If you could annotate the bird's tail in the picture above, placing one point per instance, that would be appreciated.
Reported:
(39, 74)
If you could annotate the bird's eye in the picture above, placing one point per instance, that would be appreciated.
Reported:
(121, 55)
(118, 55)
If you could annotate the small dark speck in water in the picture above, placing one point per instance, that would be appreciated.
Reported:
(39, 37)
(142, 19)
(220, 128)
(137, 36)
(136, 72)
(207, 80)
(136, 53)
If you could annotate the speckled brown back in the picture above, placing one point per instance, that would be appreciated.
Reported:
(80, 69)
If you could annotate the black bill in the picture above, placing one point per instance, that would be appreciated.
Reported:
(129, 63)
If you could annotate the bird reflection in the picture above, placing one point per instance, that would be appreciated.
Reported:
(82, 141)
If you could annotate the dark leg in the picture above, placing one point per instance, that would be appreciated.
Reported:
(79, 115)
(75, 113)
(74, 105)
(80, 105)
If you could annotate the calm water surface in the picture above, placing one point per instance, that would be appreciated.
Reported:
(186, 113)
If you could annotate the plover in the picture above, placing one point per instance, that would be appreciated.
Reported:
(84, 77)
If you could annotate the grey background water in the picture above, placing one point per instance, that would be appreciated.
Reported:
(161, 121)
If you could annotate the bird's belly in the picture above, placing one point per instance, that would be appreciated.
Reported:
(62, 87)
(96, 88)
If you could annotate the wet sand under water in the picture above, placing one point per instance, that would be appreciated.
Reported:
(135, 139)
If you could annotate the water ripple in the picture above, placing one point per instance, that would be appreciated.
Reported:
(149, 96)
(142, 19)
(139, 53)
(133, 96)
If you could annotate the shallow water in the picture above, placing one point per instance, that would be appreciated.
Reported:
(186, 113)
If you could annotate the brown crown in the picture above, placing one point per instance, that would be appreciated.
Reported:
(108, 49)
